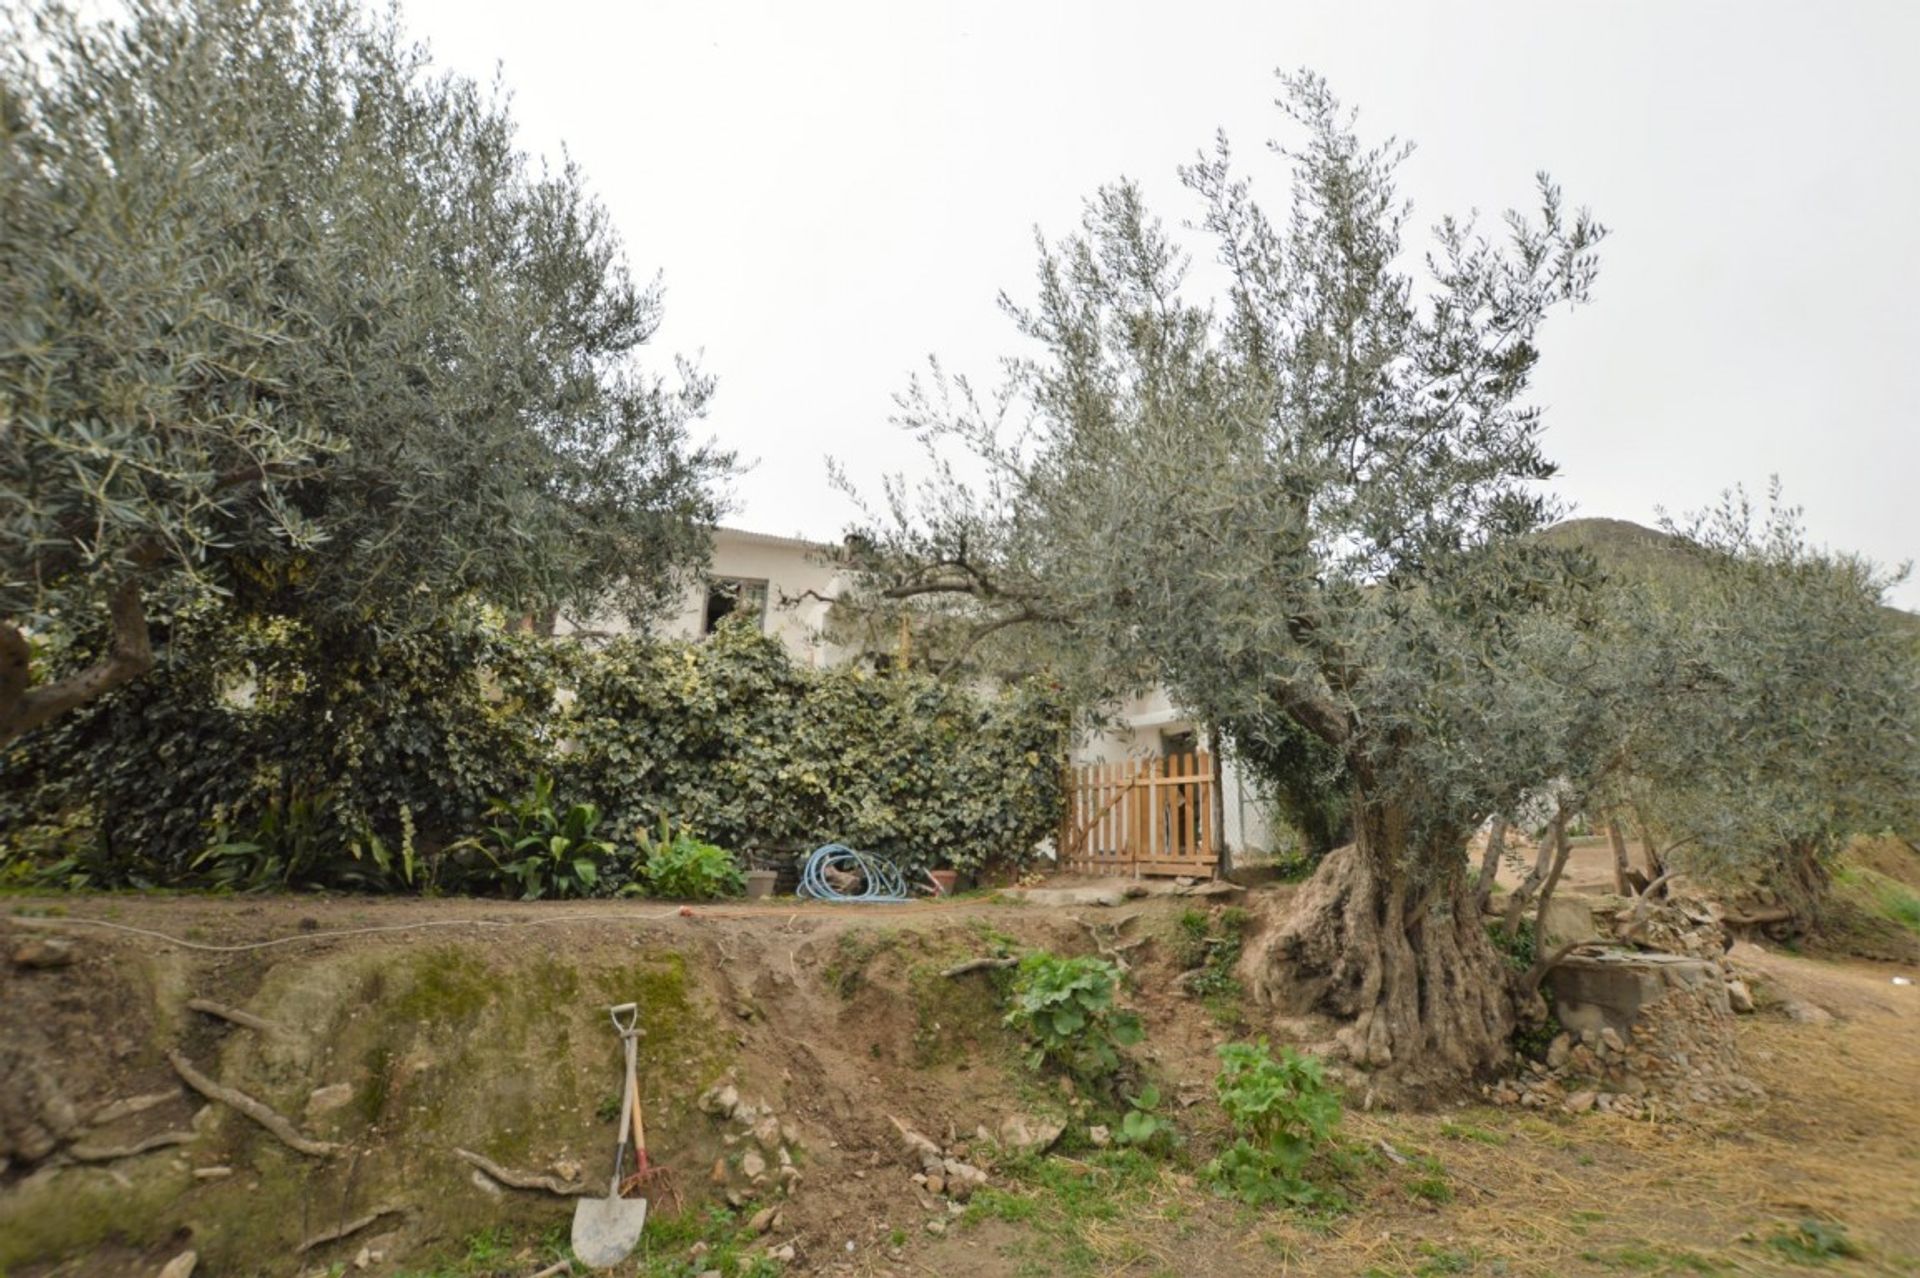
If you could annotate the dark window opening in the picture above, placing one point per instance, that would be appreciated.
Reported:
(729, 595)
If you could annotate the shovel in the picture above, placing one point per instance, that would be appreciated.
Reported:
(606, 1230)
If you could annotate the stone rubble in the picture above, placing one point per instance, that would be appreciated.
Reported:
(766, 1144)
(1679, 1049)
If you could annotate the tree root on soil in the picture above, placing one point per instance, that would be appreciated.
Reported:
(258, 1112)
(114, 1111)
(980, 965)
(1107, 942)
(233, 1015)
(113, 1153)
(521, 1180)
(347, 1230)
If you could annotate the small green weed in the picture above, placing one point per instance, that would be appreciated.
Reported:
(1141, 1127)
(1444, 1260)
(1815, 1242)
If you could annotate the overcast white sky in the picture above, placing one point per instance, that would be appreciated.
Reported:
(835, 191)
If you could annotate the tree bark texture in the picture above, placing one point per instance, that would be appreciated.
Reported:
(1406, 963)
(1622, 868)
(24, 707)
(1490, 863)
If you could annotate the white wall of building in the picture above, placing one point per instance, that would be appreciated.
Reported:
(1149, 726)
(799, 584)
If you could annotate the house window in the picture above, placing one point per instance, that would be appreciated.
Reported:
(728, 595)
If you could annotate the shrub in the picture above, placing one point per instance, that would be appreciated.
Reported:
(289, 847)
(1065, 1007)
(393, 743)
(1283, 1113)
(399, 743)
(538, 847)
(681, 867)
(735, 740)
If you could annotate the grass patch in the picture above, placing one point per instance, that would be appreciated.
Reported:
(492, 1251)
(1065, 1205)
(1642, 1259)
(1815, 1242)
(1882, 895)
(1467, 1131)
(1445, 1260)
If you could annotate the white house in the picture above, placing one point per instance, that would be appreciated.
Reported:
(789, 585)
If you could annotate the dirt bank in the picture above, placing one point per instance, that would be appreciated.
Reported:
(401, 1031)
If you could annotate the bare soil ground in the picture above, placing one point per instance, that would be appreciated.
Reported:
(481, 1025)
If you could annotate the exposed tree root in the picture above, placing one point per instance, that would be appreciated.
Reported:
(113, 1153)
(521, 1180)
(233, 1015)
(114, 1111)
(347, 1230)
(258, 1112)
(1107, 942)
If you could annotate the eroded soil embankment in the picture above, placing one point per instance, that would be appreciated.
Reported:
(485, 1031)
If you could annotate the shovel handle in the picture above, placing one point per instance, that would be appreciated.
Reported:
(639, 1126)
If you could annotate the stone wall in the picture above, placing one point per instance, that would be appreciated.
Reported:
(1643, 1032)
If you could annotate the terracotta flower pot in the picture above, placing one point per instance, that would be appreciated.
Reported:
(947, 879)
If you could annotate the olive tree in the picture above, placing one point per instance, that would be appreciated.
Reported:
(1306, 501)
(1802, 724)
(287, 317)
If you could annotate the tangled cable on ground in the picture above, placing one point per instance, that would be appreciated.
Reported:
(884, 882)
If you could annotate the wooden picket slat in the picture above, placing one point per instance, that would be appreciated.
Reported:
(1150, 816)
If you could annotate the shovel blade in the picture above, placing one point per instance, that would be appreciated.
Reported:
(606, 1230)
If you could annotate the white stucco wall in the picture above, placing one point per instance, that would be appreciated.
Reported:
(1146, 726)
(799, 584)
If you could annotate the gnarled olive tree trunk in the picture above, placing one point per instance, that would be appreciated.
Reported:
(1403, 957)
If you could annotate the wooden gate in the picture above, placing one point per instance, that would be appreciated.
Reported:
(1144, 816)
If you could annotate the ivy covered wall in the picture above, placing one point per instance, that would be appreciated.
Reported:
(354, 760)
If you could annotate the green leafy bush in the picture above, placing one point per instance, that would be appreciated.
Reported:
(540, 848)
(395, 743)
(1283, 1114)
(289, 847)
(757, 753)
(678, 866)
(1065, 1007)
(410, 736)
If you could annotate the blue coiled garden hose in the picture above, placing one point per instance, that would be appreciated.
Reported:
(884, 882)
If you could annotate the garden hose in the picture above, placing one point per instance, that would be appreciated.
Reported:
(884, 882)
